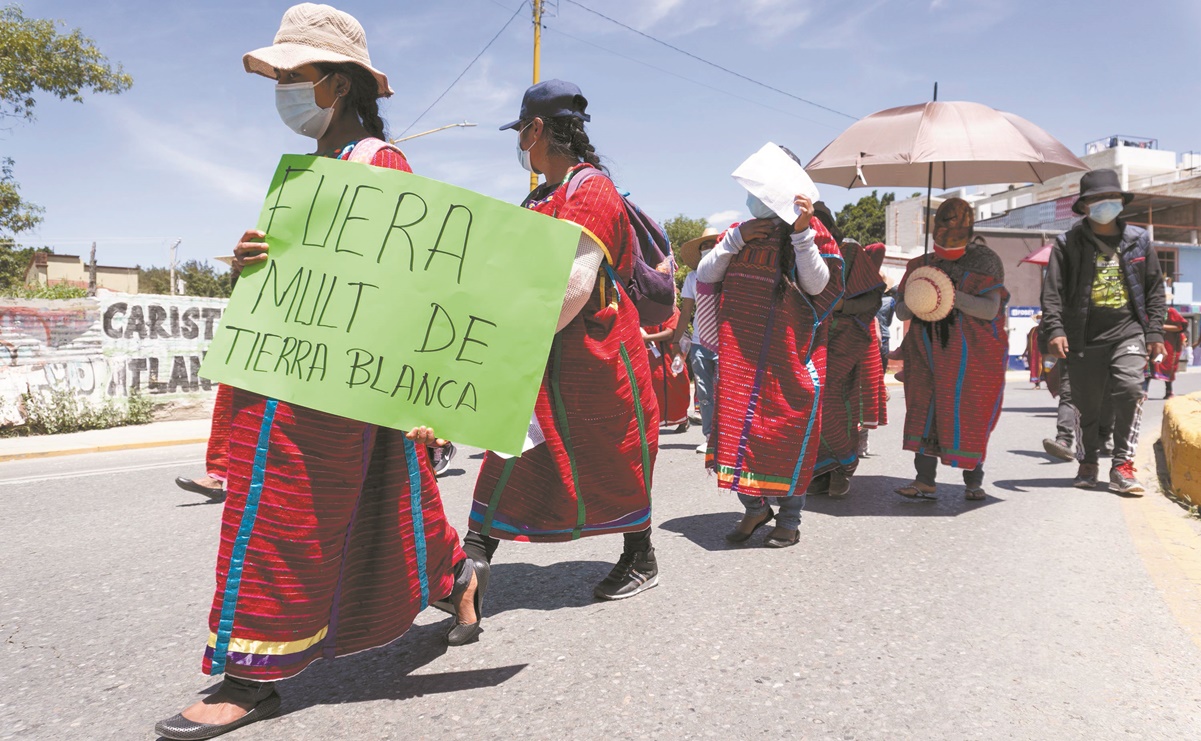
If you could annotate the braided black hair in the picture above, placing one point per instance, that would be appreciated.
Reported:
(567, 138)
(363, 97)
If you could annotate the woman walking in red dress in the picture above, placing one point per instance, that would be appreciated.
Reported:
(595, 412)
(333, 536)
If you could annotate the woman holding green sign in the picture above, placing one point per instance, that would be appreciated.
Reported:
(594, 434)
(333, 536)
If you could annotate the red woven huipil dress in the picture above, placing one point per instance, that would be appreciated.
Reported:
(216, 454)
(953, 392)
(333, 536)
(672, 390)
(596, 407)
(849, 349)
(1172, 347)
(773, 370)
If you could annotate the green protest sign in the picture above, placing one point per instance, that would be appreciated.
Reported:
(397, 300)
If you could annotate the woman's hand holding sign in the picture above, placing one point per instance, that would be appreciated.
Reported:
(251, 250)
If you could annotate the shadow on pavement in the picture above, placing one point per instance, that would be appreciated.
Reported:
(526, 586)
(679, 446)
(709, 530)
(1025, 485)
(1040, 455)
(1052, 410)
(875, 496)
(386, 674)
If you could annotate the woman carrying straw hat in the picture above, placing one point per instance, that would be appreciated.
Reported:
(955, 352)
(333, 536)
(596, 408)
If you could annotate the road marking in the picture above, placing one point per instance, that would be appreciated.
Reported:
(100, 471)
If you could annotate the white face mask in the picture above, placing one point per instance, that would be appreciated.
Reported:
(1104, 212)
(758, 208)
(297, 106)
(523, 155)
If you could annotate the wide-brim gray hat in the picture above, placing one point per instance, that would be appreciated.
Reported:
(313, 34)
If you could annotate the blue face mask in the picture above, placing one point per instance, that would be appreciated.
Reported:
(1103, 212)
(758, 208)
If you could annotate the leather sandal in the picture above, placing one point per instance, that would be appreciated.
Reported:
(463, 633)
(738, 536)
(917, 490)
(974, 495)
(180, 728)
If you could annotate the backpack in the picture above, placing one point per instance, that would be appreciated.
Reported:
(652, 291)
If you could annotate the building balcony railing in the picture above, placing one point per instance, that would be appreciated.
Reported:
(1120, 140)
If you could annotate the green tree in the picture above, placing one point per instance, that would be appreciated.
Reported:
(34, 57)
(680, 229)
(864, 220)
(199, 278)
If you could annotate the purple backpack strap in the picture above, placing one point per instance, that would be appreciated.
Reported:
(584, 175)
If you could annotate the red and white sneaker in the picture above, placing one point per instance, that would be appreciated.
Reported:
(1122, 479)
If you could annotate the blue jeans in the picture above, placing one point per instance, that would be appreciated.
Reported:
(704, 372)
(789, 515)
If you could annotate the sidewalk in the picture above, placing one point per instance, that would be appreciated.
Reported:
(153, 435)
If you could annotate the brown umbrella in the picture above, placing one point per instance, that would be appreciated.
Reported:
(942, 145)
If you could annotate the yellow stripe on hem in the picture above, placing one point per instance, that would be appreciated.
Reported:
(753, 483)
(270, 648)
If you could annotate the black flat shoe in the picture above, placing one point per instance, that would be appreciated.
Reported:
(181, 729)
(189, 485)
(463, 633)
(774, 542)
(737, 536)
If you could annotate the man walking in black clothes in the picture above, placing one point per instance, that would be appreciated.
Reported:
(1103, 309)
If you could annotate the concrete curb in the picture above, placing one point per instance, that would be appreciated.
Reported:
(100, 449)
(1181, 438)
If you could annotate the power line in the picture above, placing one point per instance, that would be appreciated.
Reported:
(686, 79)
(465, 70)
(711, 64)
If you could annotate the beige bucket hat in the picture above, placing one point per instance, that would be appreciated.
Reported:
(309, 34)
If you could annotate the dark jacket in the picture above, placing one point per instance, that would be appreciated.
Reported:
(1067, 288)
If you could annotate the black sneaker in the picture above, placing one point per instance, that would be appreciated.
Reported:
(1086, 476)
(1061, 449)
(440, 458)
(634, 573)
(1122, 479)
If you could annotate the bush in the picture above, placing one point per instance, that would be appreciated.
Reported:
(59, 411)
(60, 290)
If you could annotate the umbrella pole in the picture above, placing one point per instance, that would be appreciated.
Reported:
(929, 192)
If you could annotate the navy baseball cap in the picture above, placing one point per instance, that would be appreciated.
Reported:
(551, 99)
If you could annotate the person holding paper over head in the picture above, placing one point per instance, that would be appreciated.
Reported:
(780, 276)
(955, 352)
(333, 536)
(593, 438)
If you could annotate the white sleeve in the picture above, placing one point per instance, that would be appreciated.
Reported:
(689, 288)
(584, 271)
(714, 265)
(812, 272)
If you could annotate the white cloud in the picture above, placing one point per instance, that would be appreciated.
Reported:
(722, 219)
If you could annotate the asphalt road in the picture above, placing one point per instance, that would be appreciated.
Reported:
(1031, 615)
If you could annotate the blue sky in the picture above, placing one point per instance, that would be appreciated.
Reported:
(189, 150)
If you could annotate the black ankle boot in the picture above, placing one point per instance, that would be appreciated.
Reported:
(635, 572)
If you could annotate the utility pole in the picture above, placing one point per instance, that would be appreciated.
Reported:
(92, 272)
(174, 246)
(537, 63)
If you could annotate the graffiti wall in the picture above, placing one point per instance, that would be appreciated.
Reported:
(105, 347)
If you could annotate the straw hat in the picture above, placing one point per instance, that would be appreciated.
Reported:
(311, 34)
(929, 293)
(690, 251)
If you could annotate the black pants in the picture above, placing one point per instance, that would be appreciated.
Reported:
(1113, 375)
(1068, 418)
(483, 547)
(246, 691)
(927, 468)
